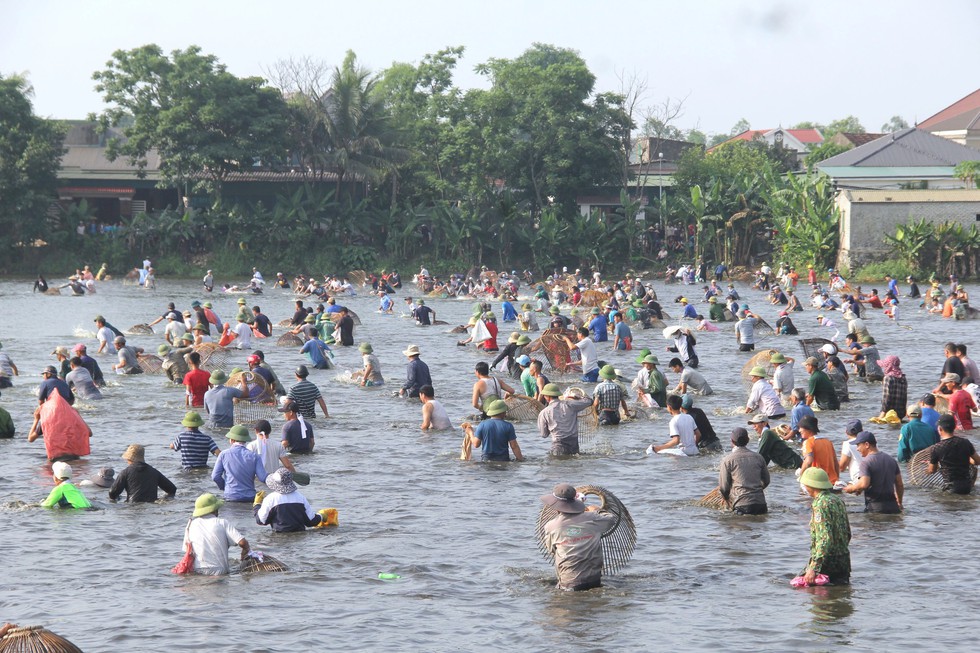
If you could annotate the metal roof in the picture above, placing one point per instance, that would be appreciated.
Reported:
(969, 106)
(904, 149)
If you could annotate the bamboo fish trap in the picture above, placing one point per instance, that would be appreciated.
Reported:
(35, 639)
(618, 541)
(712, 499)
(522, 409)
(140, 330)
(257, 561)
(289, 339)
(150, 363)
(919, 475)
(213, 356)
(761, 359)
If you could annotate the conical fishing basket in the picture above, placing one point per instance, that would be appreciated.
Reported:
(438, 293)
(140, 330)
(618, 541)
(257, 561)
(592, 298)
(258, 389)
(761, 359)
(459, 329)
(248, 413)
(729, 316)
(588, 426)
(52, 291)
(552, 344)
(577, 322)
(522, 409)
(811, 346)
(763, 329)
(919, 475)
(712, 499)
(35, 639)
(285, 324)
(289, 339)
(213, 356)
(357, 277)
(337, 316)
(150, 364)
(942, 403)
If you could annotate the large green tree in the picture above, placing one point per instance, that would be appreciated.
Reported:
(204, 121)
(30, 154)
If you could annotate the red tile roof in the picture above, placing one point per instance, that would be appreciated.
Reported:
(804, 136)
(969, 104)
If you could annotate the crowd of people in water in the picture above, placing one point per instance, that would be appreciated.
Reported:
(561, 325)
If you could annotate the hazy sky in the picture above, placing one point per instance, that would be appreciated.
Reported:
(770, 62)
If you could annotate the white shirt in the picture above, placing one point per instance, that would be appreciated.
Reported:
(440, 419)
(783, 379)
(590, 360)
(175, 330)
(106, 335)
(854, 468)
(244, 332)
(683, 426)
(211, 537)
(765, 398)
(270, 451)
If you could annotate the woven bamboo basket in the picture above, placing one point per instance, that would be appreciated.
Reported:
(522, 409)
(618, 541)
(919, 475)
(258, 389)
(289, 339)
(248, 413)
(357, 277)
(592, 298)
(52, 291)
(140, 330)
(35, 639)
(258, 561)
(213, 356)
(336, 317)
(811, 346)
(285, 324)
(150, 363)
(763, 329)
(712, 499)
(760, 359)
(554, 347)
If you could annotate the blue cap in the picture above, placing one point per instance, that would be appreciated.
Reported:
(524, 360)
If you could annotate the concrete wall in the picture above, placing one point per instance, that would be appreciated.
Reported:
(865, 224)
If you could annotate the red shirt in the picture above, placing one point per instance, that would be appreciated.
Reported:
(960, 404)
(197, 382)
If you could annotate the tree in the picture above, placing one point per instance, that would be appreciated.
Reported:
(741, 126)
(30, 155)
(969, 172)
(848, 125)
(695, 135)
(204, 122)
(823, 151)
(897, 123)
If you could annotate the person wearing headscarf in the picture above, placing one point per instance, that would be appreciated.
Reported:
(285, 509)
(894, 387)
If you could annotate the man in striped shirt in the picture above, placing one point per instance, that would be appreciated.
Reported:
(307, 395)
(193, 445)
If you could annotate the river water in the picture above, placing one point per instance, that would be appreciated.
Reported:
(461, 535)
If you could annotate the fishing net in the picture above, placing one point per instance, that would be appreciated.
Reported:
(458, 329)
(942, 403)
(712, 499)
(522, 409)
(140, 330)
(763, 329)
(552, 344)
(257, 561)
(357, 277)
(729, 316)
(439, 323)
(337, 316)
(919, 475)
(438, 293)
(213, 356)
(35, 639)
(150, 364)
(289, 340)
(593, 298)
(258, 388)
(248, 413)
(619, 539)
(811, 346)
(588, 426)
(761, 359)
(285, 324)
(52, 291)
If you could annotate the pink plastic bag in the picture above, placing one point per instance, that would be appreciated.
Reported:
(799, 581)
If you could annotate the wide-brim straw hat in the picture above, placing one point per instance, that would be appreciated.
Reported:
(135, 453)
(513, 337)
(206, 504)
(670, 331)
(413, 350)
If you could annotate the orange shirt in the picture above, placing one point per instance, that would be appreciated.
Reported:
(948, 307)
(824, 455)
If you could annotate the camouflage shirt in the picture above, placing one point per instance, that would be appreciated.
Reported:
(830, 533)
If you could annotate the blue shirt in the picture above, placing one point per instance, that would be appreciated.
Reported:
(194, 448)
(235, 470)
(314, 351)
(220, 402)
(599, 328)
(495, 436)
(930, 416)
(689, 311)
(623, 331)
(510, 314)
(799, 411)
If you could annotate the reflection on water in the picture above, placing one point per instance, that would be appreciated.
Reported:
(459, 534)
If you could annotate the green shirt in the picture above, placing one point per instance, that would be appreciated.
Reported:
(774, 449)
(66, 495)
(6, 424)
(529, 383)
(822, 390)
(657, 387)
(716, 313)
(830, 533)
